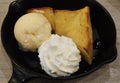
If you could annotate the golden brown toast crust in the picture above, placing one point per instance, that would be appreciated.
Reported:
(75, 24)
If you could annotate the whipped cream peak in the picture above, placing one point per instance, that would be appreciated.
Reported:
(59, 56)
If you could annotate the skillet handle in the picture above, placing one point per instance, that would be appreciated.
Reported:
(18, 76)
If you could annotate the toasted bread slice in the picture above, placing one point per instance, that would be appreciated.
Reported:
(46, 11)
(76, 25)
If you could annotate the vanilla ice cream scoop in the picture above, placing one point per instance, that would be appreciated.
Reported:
(31, 30)
(59, 56)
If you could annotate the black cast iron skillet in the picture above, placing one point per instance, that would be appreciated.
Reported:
(26, 64)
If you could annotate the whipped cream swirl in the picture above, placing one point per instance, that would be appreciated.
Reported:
(59, 56)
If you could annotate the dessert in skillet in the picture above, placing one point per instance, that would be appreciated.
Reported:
(59, 53)
(31, 30)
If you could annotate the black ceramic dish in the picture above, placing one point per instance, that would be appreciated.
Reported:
(26, 64)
